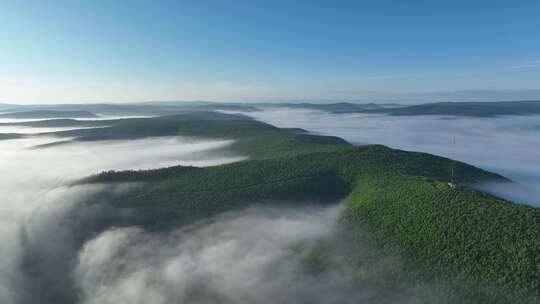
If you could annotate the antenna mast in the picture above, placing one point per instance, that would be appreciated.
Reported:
(451, 184)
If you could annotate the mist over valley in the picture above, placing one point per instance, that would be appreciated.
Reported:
(231, 206)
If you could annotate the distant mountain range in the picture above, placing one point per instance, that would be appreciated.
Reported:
(479, 109)
(474, 109)
(338, 107)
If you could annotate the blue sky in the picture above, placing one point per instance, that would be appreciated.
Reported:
(121, 51)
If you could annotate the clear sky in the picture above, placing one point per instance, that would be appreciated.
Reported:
(121, 51)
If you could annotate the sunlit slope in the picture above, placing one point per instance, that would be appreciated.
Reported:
(183, 194)
(455, 231)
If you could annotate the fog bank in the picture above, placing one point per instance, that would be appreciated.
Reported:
(42, 220)
(251, 256)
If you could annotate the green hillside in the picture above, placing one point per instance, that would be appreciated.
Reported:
(400, 199)
(61, 122)
(251, 137)
(338, 107)
(322, 177)
(474, 109)
(451, 231)
(38, 114)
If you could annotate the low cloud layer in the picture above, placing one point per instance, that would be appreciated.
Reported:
(61, 250)
(522, 191)
(43, 223)
(260, 255)
(507, 145)
(252, 256)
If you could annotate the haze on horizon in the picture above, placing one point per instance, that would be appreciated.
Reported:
(110, 51)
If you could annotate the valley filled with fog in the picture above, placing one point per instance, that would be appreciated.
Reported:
(67, 244)
(65, 248)
(43, 221)
(508, 145)
(261, 152)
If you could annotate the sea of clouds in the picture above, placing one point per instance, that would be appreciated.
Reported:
(56, 249)
(43, 221)
(249, 256)
(59, 249)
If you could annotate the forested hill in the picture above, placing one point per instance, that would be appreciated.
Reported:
(41, 114)
(472, 109)
(253, 138)
(401, 199)
(476, 109)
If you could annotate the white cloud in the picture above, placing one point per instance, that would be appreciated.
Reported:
(41, 218)
(220, 262)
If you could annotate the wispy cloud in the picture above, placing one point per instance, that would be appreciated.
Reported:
(389, 76)
(527, 65)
